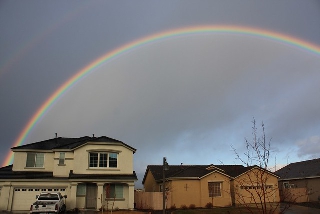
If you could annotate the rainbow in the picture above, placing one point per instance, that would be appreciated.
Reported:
(196, 30)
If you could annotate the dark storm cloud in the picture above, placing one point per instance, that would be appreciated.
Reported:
(180, 95)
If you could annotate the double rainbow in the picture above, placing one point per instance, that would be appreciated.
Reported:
(223, 29)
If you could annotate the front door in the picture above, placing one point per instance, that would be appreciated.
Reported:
(91, 196)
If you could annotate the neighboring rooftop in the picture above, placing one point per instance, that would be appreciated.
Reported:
(194, 171)
(68, 143)
(298, 170)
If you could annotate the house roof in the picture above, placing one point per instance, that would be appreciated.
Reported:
(193, 171)
(67, 143)
(299, 170)
(7, 173)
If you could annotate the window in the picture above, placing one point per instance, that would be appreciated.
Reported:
(214, 189)
(103, 160)
(81, 189)
(35, 160)
(113, 160)
(61, 158)
(114, 191)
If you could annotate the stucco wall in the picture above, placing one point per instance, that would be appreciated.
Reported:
(219, 201)
(20, 158)
(63, 170)
(185, 192)
(125, 159)
(312, 186)
(150, 184)
(248, 186)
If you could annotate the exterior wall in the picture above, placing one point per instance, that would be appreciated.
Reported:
(63, 170)
(81, 156)
(311, 185)
(218, 201)
(77, 161)
(20, 158)
(150, 185)
(185, 192)
(294, 195)
(248, 186)
(125, 203)
(8, 193)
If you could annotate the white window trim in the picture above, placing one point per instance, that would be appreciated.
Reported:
(35, 167)
(108, 152)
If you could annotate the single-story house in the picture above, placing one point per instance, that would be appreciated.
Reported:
(91, 171)
(303, 175)
(221, 185)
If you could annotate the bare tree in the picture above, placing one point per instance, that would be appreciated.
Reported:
(257, 189)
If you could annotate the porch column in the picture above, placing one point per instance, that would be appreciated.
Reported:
(100, 197)
(72, 199)
(131, 196)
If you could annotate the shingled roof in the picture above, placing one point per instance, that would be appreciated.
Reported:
(67, 143)
(299, 170)
(193, 171)
(7, 174)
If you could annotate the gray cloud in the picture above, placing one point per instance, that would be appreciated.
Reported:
(187, 98)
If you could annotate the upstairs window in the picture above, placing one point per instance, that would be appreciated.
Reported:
(35, 160)
(214, 189)
(103, 160)
(61, 158)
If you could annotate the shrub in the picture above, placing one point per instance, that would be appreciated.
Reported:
(209, 205)
(184, 207)
(173, 207)
(192, 206)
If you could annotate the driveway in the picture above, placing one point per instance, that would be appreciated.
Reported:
(295, 209)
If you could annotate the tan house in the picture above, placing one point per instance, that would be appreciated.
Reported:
(91, 171)
(254, 186)
(301, 180)
(198, 185)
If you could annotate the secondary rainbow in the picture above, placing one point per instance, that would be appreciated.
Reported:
(209, 29)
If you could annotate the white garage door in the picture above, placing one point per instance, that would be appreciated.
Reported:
(24, 197)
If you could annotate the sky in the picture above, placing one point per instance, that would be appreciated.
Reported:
(191, 98)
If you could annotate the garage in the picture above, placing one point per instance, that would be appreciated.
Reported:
(23, 197)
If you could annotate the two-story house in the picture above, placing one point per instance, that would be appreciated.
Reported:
(91, 171)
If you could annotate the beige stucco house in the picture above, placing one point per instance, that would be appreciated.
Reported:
(198, 185)
(300, 181)
(91, 171)
(255, 185)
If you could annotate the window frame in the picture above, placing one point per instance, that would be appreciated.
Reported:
(115, 191)
(103, 160)
(38, 158)
(212, 189)
(62, 158)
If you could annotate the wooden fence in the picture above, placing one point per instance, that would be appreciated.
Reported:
(150, 200)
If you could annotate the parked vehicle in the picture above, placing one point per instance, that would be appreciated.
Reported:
(46, 202)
